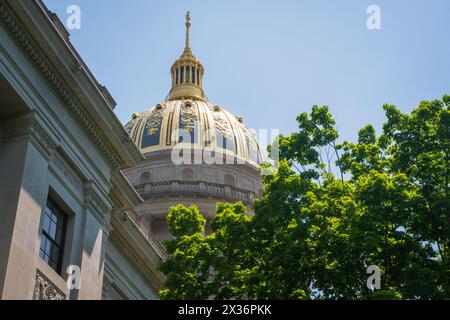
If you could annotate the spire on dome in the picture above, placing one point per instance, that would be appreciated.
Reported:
(187, 72)
(188, 26)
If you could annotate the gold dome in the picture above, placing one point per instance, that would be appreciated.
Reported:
(195, 122)
(186, 117)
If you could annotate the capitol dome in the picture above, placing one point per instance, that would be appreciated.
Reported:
(187, 121)
(196, 122)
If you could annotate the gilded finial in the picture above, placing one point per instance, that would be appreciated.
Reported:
(188, 19)
(187, 72)
(188, 25)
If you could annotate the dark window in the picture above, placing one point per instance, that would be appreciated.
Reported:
(188, 72)
(229, 180)
(252, 151)
(182, 75)
(145, 178)
(193, 75)
(198, 77)
(225, 142)
(53, 235)
(187, 174)
(176, 78)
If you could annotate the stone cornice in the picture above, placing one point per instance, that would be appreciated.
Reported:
(35, 54)
(26, 126)
(130, 217)
(135, 261)
(124, 192)
(98, 206)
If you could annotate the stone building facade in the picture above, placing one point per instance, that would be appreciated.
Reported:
(64, 201)
(83, 200)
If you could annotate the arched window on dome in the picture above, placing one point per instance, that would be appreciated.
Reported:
(188, 73)
(177, 79)
(229, 180)
(252, 150)
(145, 178)
(187, 174)
(226, 141)
(198, 76)
(260, 156)
(193, 75)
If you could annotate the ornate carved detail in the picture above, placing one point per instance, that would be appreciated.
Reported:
(169, 129)
(140, 266)
(129, 126)
(45, 290)
(46, 69)
(188, 116)
(154, 120)
(214, 124)
(222, 122)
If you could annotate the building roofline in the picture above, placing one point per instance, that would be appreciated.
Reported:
(95, 98)
(43, 38)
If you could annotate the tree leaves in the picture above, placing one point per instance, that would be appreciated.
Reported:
(313, 236)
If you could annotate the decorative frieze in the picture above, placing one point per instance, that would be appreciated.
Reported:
(223, 124)
(154, 120)
(46, 290)
(188, 116)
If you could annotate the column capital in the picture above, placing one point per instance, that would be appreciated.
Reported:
(26, 126)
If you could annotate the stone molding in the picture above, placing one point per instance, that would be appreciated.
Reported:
(26, 126)
(45, 290)
(97, 205)
(137, 263)
(66, 170)
(144, 227)
(31, 49)
(177, 188)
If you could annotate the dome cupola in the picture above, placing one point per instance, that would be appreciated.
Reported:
(187, 117)
(187, 73)
(222, 154)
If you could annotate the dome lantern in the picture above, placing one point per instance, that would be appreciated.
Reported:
(187, 73)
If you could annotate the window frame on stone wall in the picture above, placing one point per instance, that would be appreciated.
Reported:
(53, 233)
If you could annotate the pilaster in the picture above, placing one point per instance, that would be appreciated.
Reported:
(24, 160)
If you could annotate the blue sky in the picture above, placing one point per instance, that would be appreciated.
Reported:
(270, 60)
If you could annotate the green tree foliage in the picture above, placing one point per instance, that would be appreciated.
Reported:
(329, 212)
